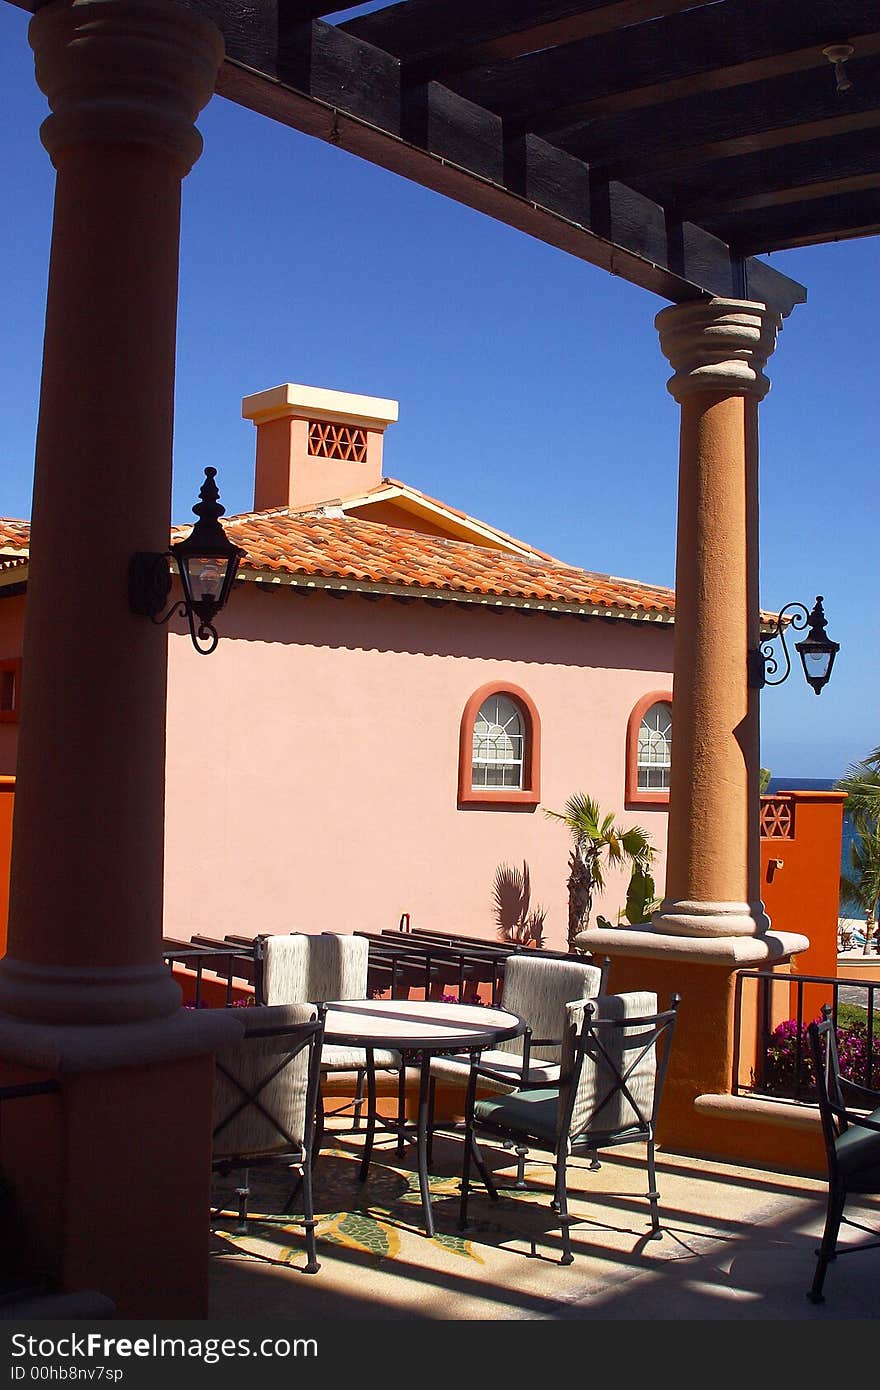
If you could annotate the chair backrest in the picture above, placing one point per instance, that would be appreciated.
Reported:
(266, 1085)
(537, 991)
(285, 969)
(612, 1067)
(829, 1087)
(338, 966)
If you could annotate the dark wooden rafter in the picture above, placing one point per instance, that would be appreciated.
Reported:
(786, 174)
(436, 38)
(708, 47)
(836, 218)
(765, 115)
(671, 142)
(327, 82)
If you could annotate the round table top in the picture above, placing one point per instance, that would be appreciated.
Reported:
(419, 1024)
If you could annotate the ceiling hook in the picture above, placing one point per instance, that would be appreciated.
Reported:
(837, 54)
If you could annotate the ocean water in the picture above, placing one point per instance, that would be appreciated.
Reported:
(819, 784)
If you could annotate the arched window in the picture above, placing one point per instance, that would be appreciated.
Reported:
(498, 748)
(10, 688)
(649, 751)
(498, 744)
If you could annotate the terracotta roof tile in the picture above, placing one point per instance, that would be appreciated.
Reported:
(350, 548)
(340, 548)
(14, 535)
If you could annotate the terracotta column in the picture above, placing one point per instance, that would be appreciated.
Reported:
(712, 923)
(110, 1171)
(718, 349)
(125, 80)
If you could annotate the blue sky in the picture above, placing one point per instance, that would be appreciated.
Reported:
(531, 385)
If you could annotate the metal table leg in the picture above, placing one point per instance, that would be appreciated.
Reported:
(422, 1141)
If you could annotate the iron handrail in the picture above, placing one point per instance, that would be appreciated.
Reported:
(765, 979)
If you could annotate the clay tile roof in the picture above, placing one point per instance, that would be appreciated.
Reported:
(14, 535)
(348, 548)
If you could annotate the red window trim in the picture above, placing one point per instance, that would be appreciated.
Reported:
(633, 794)
(530, 792)
(12, 663)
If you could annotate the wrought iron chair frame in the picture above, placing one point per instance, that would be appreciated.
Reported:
(588, 1043)
(296, 1155)
(837, 1098)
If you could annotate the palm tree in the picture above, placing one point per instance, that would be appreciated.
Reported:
(860, 884)
(861, 782)
(597, 841)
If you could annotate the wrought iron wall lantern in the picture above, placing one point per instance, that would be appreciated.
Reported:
(206, 561)
(816, 650)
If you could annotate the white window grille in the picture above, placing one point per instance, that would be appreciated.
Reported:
(499, 742)
(655, 748)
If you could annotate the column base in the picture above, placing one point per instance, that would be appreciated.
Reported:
(78, 994)
(683, 917)
(110, 1172)
(718, 1030)
(736, 952)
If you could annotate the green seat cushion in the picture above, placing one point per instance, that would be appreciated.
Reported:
(858, 1156)
(524, 1112)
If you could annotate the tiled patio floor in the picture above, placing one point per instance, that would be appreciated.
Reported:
(738, 1243)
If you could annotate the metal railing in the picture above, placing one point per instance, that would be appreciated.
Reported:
(231, 961)
(399, 961)
(783, 1065)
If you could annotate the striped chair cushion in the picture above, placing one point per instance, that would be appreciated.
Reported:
(456, 1070)
(286, 969)
(597, 1079)
(538, 991)
(337, 967)
(338, 1057)
(241, 1128)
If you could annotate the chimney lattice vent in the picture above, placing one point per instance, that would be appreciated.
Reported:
(334, 441)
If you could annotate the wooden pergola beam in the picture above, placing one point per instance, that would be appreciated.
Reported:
(765, 115)
(705, 49)
(435, 38)
(325, 82)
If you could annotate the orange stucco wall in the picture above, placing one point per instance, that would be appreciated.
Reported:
(802, 893)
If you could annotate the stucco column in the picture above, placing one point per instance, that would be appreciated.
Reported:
(125, 80)
(718, 349)
(109, 1171)
(712, 923)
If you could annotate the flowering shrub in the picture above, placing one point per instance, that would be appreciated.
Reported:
(236, 1004)
(781, 1073)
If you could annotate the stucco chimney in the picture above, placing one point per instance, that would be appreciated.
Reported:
(314, 445)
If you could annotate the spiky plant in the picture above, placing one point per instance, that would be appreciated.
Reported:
(597, 842)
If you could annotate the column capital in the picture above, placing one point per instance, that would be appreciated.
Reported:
(718, 345)
(125, 71)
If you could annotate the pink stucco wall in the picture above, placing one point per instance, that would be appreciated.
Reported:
(312, 762)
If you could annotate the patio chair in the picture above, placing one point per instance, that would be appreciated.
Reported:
(538, 991)
(614, 1057)
(338, 968)
(850, 1116)
(321, 968)
(265, 1097)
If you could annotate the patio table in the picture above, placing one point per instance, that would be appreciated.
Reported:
(419, 1029)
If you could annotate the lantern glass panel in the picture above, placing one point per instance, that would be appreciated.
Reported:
(817, 663)
(206, 576)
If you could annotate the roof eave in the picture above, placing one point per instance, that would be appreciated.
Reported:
(549, 607)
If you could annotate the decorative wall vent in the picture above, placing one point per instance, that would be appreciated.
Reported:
(329, 441)
(777, 818)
